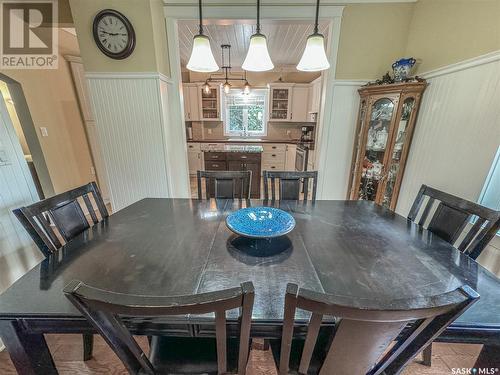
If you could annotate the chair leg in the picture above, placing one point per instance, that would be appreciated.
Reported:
(88, 346)
(427, 355)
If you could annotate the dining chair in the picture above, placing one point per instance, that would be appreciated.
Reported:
(452, 220)
(370, 337)
(170, 355)
(56, 220)
(225, 184)
(291, 184)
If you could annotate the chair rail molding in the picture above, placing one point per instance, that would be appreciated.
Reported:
(135, 132)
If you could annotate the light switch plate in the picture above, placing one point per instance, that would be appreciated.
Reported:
(44, 131)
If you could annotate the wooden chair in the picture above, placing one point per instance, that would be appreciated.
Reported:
(450, 222)
(176, 355)
(290, 184)
(364, 331)
(225, 184)
(56, 220)
(451, 218)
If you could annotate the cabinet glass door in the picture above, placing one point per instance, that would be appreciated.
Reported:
(279, 103)
(399, 143)
(209, 104)
(375, 148)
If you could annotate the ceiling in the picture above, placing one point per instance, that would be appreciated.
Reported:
(286, 40)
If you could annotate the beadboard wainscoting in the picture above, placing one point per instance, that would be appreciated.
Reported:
(131, 112)
(337, 161)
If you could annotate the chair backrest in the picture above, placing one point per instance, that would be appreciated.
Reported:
(291, 184)
(103, 308)
(56, 220)
(452, 217)
(225, 184)
(367, 328)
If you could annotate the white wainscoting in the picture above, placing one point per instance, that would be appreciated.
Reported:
(337, 162)
(130, 124)
(457, 132)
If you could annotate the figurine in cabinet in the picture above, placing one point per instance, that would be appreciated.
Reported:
(386, 121)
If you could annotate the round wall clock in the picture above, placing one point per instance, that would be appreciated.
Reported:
(114, 34)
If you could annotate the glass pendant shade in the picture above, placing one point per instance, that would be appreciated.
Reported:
(258, 59)
(246, 89)
(227, 87)
(202, 59)
(206, 87)
(314, 58)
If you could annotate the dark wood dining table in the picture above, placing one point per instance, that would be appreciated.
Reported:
(182, 246)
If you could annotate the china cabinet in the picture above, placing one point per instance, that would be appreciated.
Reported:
(386, 121)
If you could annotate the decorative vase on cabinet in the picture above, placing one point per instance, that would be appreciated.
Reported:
(386, 121)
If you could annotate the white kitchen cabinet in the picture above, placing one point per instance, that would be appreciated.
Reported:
(315, 96)
(291, 151)
(299, 110)
(209, 104)
(273, 157)
(195, 158)
(191, 102)
(280, 101)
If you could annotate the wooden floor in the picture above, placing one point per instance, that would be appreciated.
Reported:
(67, 353)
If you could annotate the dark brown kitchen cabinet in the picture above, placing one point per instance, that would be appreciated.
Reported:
(236, 161)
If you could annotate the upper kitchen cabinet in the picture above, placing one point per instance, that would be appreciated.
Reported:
(210, 104)
(191, 101)
(315, 96)
(280, 101)
(299, 111)
(386, 121)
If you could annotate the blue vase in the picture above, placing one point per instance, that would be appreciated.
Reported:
(402, 68)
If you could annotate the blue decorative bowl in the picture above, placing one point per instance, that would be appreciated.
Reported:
(260, 222)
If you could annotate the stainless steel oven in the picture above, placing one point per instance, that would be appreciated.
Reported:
(301, 158)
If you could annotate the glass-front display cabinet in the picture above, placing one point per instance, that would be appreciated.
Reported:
(384, 130)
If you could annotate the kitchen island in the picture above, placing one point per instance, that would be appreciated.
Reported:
(231, 157)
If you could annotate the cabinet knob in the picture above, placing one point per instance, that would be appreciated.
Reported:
(273, 155)
(215, 165)
(243, 157)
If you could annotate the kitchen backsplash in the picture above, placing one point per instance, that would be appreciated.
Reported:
(275, 130)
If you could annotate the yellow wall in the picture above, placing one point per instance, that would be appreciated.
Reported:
(53, 104)
(372, 37)
(443, 32)
(146, 18)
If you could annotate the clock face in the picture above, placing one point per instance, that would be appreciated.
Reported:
(114, 34)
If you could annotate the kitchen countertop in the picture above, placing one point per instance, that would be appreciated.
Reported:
(234, 148)
(289, 141)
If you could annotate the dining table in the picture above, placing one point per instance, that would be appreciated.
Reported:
(168, 247)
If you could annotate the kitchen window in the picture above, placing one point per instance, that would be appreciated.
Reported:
(246, 114)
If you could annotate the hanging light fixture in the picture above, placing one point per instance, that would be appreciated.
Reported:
(246, 89)
(202, 59)
(258, 59)
(206, 87)
(314, 58)
(227, 87)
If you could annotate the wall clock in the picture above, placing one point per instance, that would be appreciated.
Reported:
(114, 34)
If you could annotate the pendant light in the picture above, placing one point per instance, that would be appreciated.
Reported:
(202, 59)
(206, 87)
(246, 88)
(227, 87)
(258, 59)
(314, 58)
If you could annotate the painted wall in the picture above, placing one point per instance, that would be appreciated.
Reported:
(372, 37)
(53, 104)
(444, 32)
(150, 54)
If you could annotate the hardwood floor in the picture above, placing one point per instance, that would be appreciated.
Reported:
(67, 353)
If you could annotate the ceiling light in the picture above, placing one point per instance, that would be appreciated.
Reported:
(246, 89)
(314, 57)
(258, 59)
(202, 59)
(206, 87)
(227, 87)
